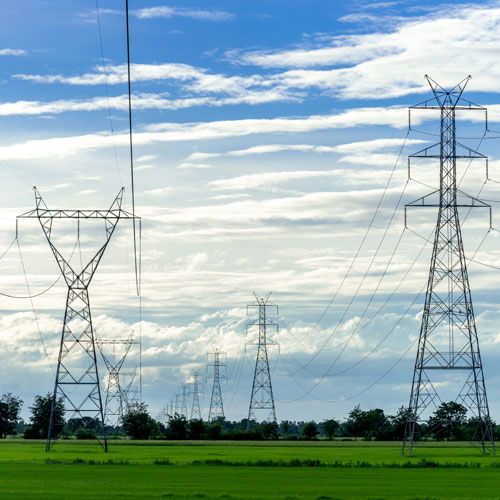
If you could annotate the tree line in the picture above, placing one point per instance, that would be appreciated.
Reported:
(449, 422)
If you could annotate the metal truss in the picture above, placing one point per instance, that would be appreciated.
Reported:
(77, 378)
(216, 410)
(195, 406)
(117, 400)
(185, 394)
(448, 338)
(262, 397)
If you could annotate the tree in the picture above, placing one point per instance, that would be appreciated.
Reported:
(310, 430)
(177, 427)
(329, 427)
(285, 427)
(40, 417)
(398, 423)
(10, 407)
(365, 423)
(196, 428)
(269, 430)
(137, 423)
(446, 422)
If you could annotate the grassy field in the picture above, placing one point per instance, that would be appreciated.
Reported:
(246, 471)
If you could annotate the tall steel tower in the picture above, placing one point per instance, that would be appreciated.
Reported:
(262, 390)
(216, 410)
(177, 404)
(185, 393)
(77, 378)
(116, 393)
(448, 343)
(195, 407)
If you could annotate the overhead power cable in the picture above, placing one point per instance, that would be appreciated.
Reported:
(105, 72)
(131, 147)
(33, 307)
(355, 258)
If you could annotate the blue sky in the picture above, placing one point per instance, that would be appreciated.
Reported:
(265, 134)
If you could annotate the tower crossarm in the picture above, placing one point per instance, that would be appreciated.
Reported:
(111, 216)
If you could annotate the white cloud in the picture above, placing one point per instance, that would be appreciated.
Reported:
(62, 147)
(392, 64)
(139, 102)
(187, 165)
(372, 145)
(12, 52)
(254, 181)
(170, 12)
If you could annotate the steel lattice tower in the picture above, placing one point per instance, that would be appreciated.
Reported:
(77, 378)
(195, 407)
(216, 410)
(117, 400)
(185, 392)
(448, 337)
(262, 397)
(177, 405)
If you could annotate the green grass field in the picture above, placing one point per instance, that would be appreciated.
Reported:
(246, 471)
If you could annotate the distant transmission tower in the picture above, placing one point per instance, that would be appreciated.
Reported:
(77, 378)
(195, 407)
(185, 393)
(116, 394)
(448, 340)
(177, 404)
(262, 390)
(216, 406)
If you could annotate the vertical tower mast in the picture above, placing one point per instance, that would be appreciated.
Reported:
(185, 391)
(216, 406)
(195, 407)
(448, 338)
(77, 378)
(262, 397)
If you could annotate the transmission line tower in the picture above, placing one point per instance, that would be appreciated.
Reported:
(195, 407)
(262, 390)
(116, 394)
(185, 393)
(177, 404)
(77, 378)
(448, 342)
(216, 410)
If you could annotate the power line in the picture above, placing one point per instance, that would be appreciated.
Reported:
(131, 146)
(105, 72)
(33, 307)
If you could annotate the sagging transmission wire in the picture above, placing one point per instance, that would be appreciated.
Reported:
(33, 308)
(38, 294)
(355, 258)
(364, 326)
(309, 392)
(106, 85)
(385, 373)
(365, 275)
(131, 148)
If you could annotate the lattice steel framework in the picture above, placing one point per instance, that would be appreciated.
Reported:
(216, 410)
(185, 394)
(448, 337)
(117, 400)
(262, 397)
(195, 406)
(77, 378)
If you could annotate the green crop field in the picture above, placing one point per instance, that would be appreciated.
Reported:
(240, 471)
